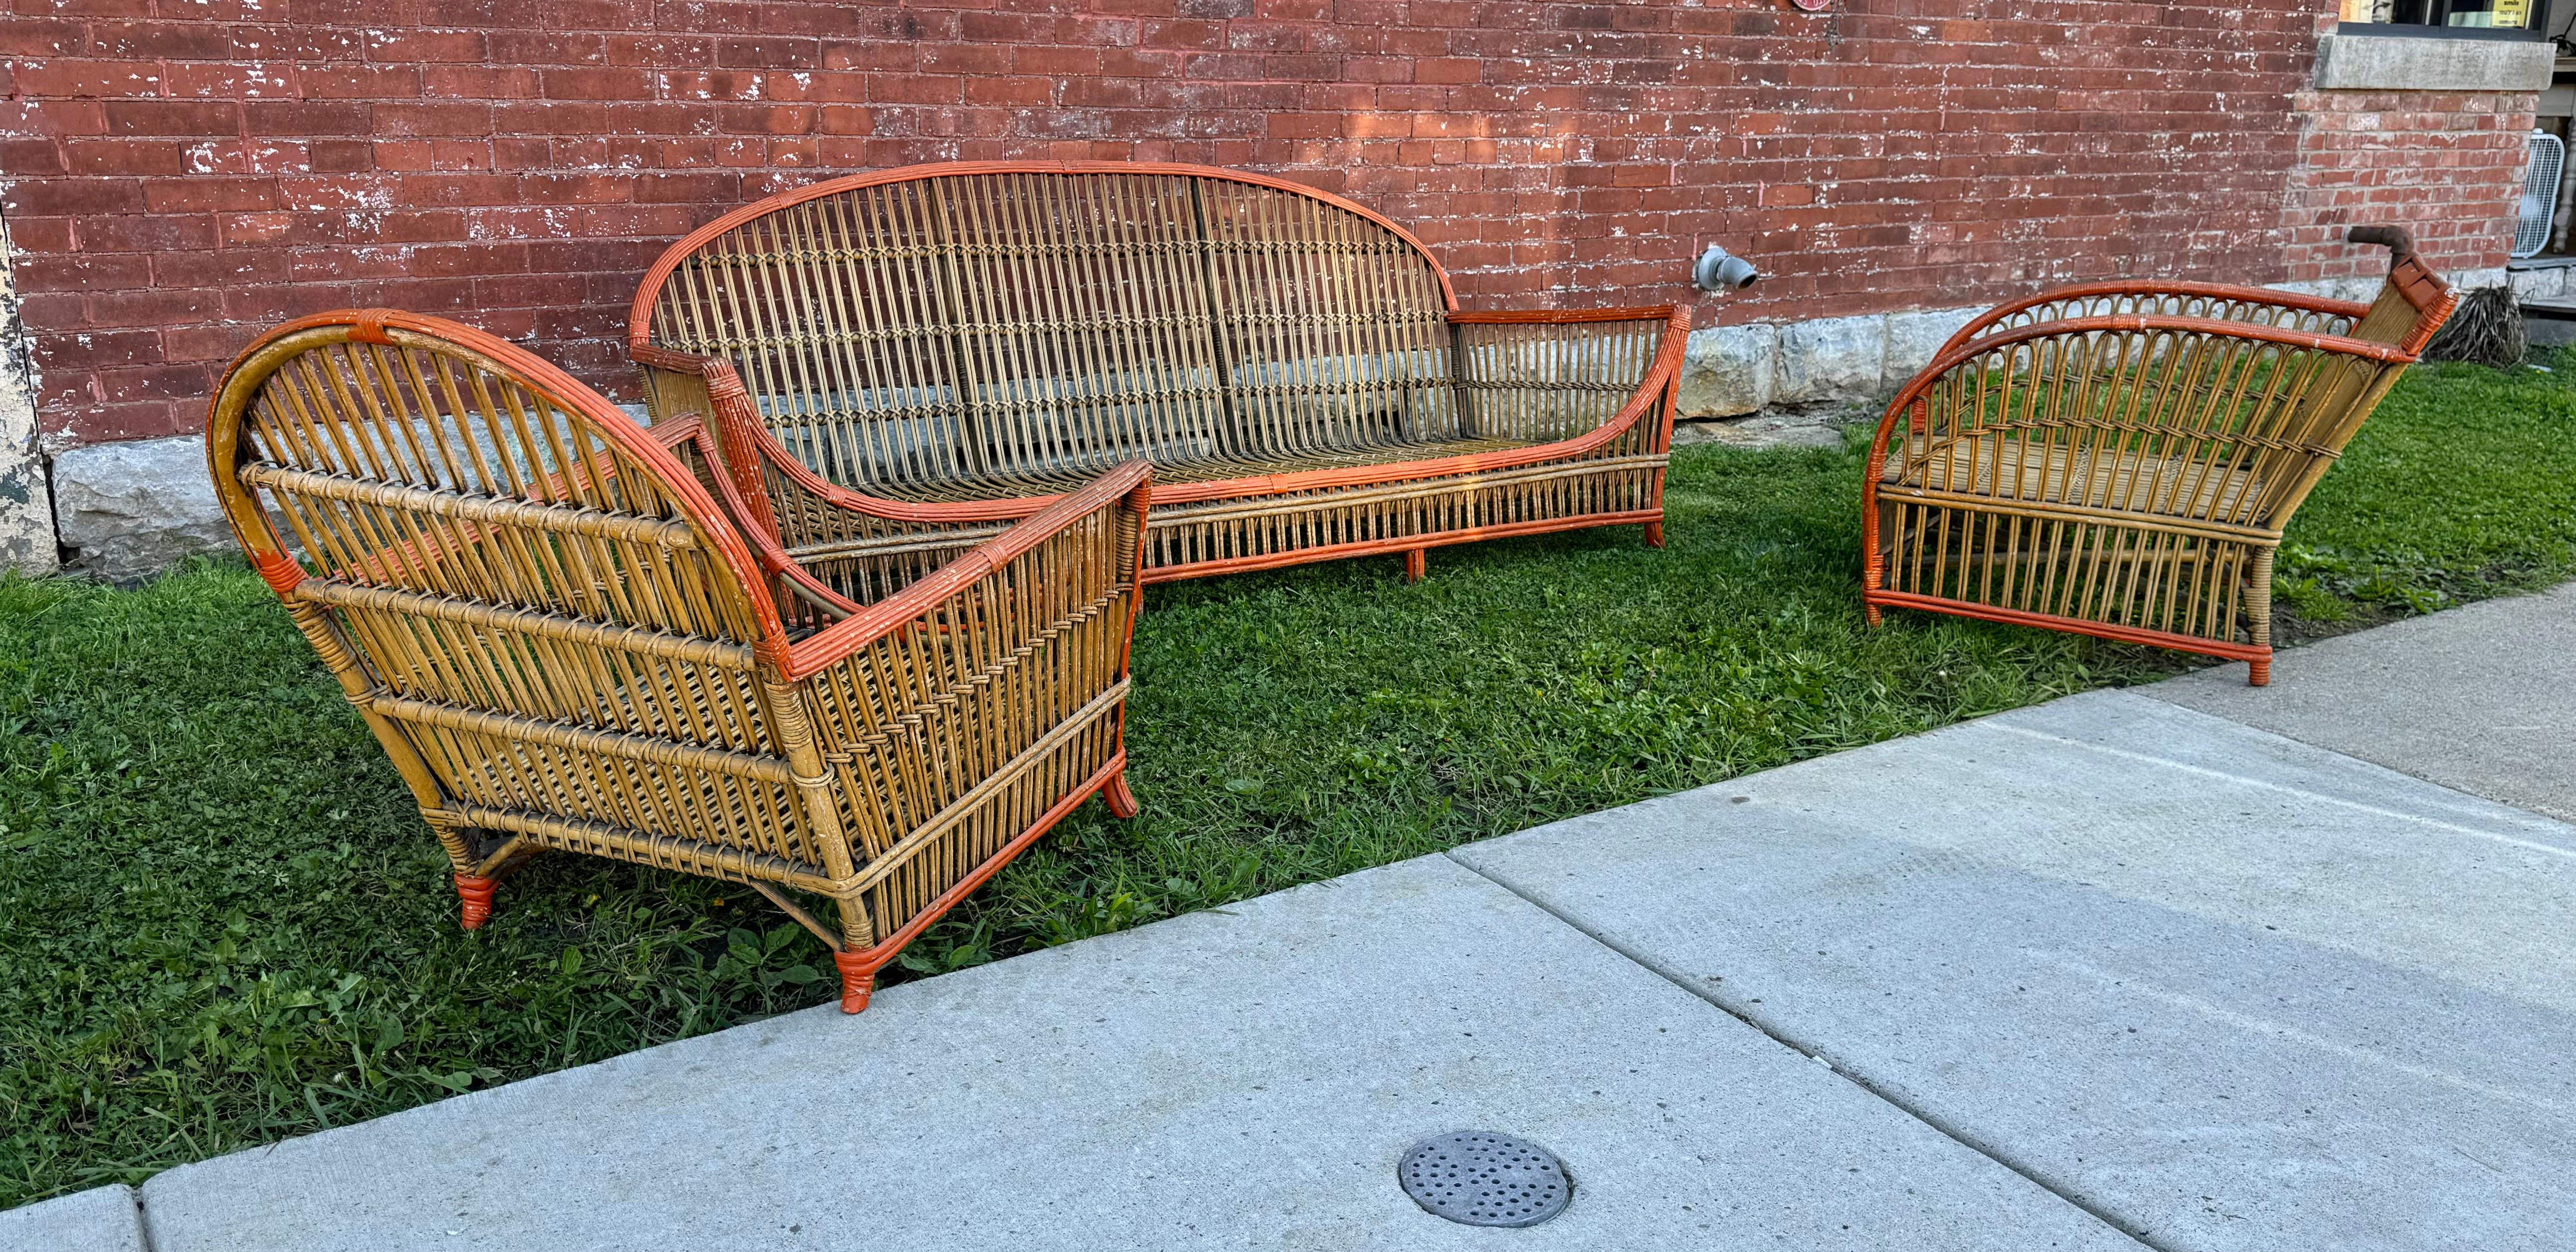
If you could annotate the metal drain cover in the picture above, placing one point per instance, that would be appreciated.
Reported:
(1485, 1179)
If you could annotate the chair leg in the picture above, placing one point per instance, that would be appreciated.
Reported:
(1417, 562)
(858, 980)
(477, 896)
(1121, 801)
(2258, 613)
(1654, 534)
(1870, 611)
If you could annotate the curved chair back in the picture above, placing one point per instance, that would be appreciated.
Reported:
(541, 614)
(984, 322)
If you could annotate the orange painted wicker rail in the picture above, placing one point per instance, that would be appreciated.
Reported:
(2119, 459)
(564, 640)
(953, 344)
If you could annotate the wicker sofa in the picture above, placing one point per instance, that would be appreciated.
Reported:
(945, 344)
(2119, 459)
(563, 641)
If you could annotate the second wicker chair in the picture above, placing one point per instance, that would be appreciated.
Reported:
(2119, 459)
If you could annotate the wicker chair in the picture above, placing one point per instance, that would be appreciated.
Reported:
(563, 643)
(2119, 459)
(1294, 365)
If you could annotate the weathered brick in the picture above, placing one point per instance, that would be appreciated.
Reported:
(519, 161)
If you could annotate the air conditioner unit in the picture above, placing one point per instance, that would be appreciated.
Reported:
(2539, 193)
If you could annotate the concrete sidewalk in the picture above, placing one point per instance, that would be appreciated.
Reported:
(2193, 966)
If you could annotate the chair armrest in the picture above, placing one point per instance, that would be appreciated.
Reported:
(926, 695)
(676, 383)
(1547, 375)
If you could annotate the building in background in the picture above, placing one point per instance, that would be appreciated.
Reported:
(171, 185)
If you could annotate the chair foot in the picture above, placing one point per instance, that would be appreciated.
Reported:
(1121, 801)
(858, 979)
(1417, 562)
(2258, 673)
(1870, 611)
(476, 893)
(1654, 534)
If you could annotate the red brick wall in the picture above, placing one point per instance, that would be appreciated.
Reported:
(181, 173)
(2446, 164)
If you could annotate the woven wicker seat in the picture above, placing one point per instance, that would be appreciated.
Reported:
(2119, 459)
(1294, 366)
(555, 625)
(2026, 467)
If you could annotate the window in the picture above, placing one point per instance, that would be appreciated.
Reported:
(2492, 18)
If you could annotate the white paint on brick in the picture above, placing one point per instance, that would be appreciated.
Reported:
(26, 501)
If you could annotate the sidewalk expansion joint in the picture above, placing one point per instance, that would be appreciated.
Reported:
(2027, 1173)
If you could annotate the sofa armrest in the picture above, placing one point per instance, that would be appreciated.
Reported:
(1549, 375)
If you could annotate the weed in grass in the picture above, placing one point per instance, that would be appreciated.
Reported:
(222, 924)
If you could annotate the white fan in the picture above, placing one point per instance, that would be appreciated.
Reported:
(2539, 193)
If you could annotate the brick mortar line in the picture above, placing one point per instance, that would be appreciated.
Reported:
(2125, 1225)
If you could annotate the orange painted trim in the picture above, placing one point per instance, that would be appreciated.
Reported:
(640, 316)
(475, 894)
(773, 555)
(370, 327)
(2150, 287)
(671, 432)
(2432, 308)
(280, 571)
(1413, 543)
(1561, 317)
(868, 961)
(612, 423)
(2072, 625)
(2385, 354)
(848, 635)
(1661, 375)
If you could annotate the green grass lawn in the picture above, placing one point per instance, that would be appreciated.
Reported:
(221, 921)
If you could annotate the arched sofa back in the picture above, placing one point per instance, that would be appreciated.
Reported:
(1006, 328)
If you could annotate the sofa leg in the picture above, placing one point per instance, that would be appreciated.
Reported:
(476, 893)
(1417, 562)
(2258, 672)
(1121, 801)
(1654, 534)
(858, 979)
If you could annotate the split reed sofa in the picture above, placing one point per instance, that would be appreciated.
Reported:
(2119, 459)
(563, 640)
(876, 351)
